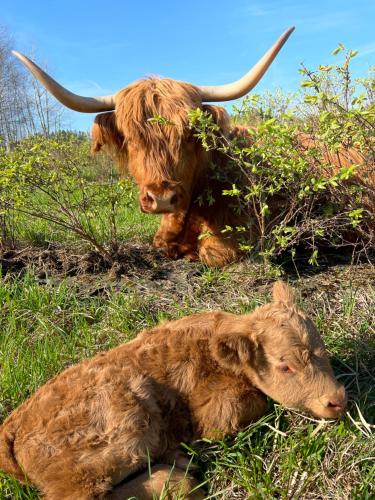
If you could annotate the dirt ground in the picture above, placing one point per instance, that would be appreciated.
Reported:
(142, 268)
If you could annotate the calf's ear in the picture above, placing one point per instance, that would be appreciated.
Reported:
(232, 350)
(282, 292)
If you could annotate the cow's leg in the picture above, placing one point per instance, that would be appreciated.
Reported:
(162, 481)
(239, 404)
(83, 483)
(177, 458)
(177, 236)
(218, 250)
(170, 228)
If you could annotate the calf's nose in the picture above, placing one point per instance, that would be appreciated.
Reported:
(336, 401)
(336, 404)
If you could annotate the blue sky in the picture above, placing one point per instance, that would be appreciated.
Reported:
(98, 47)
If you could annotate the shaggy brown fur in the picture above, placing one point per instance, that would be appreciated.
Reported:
(345, 157)
(148, 134)
(106, 133)
(81, 435)
(150, 137)
(138, 107)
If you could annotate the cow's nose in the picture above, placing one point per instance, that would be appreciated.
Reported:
(165, 203)
(150, 198)
(148, 202)
(174, 199)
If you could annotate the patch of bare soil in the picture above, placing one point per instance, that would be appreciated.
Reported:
(141, 265)
(141, 268)
(60, 260)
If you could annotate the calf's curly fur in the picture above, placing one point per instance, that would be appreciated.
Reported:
(84, 432)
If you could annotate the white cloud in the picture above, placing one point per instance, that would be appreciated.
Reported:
(88, 88)
(365, 50)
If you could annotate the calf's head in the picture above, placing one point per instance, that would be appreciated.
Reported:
(279, 349)
(147, 128)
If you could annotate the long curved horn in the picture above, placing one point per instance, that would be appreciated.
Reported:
(70, 100)
(242, 86)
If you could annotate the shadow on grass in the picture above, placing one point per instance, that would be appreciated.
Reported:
(300, 265)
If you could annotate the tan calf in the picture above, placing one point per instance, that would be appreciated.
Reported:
(85, 431)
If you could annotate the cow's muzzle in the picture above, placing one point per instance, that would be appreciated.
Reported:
(162, 198)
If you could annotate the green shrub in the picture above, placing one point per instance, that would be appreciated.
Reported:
(305, 174)
(56, 180)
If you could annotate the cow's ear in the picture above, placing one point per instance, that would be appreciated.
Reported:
(220, 116)
(96, 139)
(232, 350)
(104, 132)
(282, 292)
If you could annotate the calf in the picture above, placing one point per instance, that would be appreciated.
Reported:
(87, 430)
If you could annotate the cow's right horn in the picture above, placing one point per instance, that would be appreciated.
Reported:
(242, 86)
(70, 100)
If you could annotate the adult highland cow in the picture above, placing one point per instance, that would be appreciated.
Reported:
(167, 161)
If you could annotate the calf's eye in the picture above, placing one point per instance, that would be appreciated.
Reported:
(284, 368)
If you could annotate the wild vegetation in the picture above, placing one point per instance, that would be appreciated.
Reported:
(306, 176)
(79, 276)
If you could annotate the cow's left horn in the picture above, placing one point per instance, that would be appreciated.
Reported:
(72, 101)
(242, 86)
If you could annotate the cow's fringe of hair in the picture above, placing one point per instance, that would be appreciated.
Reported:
(153, 115)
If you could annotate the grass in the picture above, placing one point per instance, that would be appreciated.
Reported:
(131, 223)
(48, 323)
(45, 328)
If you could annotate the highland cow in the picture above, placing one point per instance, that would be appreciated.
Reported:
(85, 433)
(169, 164)
(146, 128)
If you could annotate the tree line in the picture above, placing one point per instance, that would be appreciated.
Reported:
(25, 107)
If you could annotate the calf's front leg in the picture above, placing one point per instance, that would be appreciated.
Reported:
(224, 405)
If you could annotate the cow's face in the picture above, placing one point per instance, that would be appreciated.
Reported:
(165, 182)
(168, 191)
(282, 353)
(150, 135)
(149, 131)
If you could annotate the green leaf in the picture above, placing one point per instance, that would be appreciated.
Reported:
(313, 260)
(310, 99)
(308, 83)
